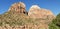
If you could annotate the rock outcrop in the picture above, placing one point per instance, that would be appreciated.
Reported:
(37, 12)
(46, 16)
(18, 7)
(39, 18)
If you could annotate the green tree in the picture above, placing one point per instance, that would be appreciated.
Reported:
(55, 23)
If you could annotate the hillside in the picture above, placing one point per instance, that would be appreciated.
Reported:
(10, 20)
(18, 18)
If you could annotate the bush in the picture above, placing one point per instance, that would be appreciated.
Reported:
(55, 23)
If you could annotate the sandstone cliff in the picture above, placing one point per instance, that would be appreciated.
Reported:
(16, 18)
(18, 7)
(37, 12)
(46, 16)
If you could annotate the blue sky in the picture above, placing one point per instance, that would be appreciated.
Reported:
(53, 5)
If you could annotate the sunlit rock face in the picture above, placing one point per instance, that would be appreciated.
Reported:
(33, 10)
(18, 7)
(37, 12)
(45, 15)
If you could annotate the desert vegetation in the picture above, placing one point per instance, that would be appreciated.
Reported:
(55, 23)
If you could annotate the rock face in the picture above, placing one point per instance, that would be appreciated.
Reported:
(18, 7)
(37, 12)
(45, 15)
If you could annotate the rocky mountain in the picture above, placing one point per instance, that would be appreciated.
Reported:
(18, 7)
(18, 18)
(37, 12)
(46, 15)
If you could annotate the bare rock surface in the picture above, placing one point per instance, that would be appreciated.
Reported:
(45, 15)
(18, 7)
(37, 18)
(37, 12)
